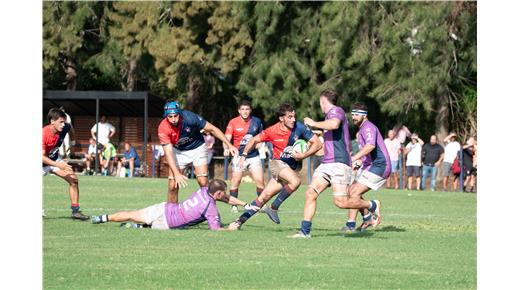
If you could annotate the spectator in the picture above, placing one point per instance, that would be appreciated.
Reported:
(470, 164)
(432, 155)
(90, 157)
(67, 142)
(106, 131)
(393, 145)
(109, 154)
(451, 148)
(413, 161)
(129, 161)
(210, 142)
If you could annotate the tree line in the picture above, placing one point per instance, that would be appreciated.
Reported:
(413, 63)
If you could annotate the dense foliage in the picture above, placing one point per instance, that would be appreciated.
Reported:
(411, 62)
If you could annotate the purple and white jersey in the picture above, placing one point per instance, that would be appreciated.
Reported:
(200, 206)
(336, 145)
(378, 160)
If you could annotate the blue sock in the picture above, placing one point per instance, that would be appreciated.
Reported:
(367, 217)
(259, 191)
(75, 208)
(373, 206)
(306, 227)
(233, 192)
(351, 224)
(249, 213)
(283, 195)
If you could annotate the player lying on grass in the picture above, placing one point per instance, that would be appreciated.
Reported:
(199, 207)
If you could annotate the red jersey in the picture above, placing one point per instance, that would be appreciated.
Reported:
(169, 134)
(242, 131)
(284, 140)
(51, 142)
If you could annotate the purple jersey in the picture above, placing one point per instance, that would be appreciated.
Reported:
(378, 160)
(200, 206)
(336, 144)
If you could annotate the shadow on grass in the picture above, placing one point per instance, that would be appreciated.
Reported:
(390, 229)
(63, 218)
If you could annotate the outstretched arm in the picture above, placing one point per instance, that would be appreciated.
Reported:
(219, 135)
(180, 180)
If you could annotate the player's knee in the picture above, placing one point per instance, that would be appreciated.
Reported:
(311, 194)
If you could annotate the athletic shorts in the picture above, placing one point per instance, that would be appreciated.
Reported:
(367, 178)
(334, 173)
(154, 216)
(48, 169)
(446, 169)
(413, 171)
(277, 166)
(248, 163)
(395, 165)
(197, 156)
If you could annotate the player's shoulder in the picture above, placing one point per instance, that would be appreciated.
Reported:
(256, 120)
(164, 124)
(337, 110)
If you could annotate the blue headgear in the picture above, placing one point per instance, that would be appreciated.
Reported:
(171, 108)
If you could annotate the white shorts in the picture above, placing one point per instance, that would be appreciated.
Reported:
(373, 181)
(248, 163)
(197, 156)
(334, 173)
(48, 169)
(154, 216)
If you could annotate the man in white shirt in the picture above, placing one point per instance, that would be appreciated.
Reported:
(106, 131)
(413, 153)
(393, 146)
(452, 147)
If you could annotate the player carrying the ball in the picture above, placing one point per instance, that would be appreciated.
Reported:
(284, 165)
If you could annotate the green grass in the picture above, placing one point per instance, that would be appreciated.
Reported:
(427, 240)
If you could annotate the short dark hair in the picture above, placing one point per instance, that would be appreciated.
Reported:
(55, 113)
(359, 106)
(216, 185)
(244, 103)
(331, 95)
(283, 109)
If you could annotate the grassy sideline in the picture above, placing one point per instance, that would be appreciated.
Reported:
(426, 240)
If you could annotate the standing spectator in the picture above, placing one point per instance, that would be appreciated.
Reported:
(432, 153)
(130, 160)
(91, 156)
(65, 147)
(451, 148)
(393, 145)
(413, 161)
(470, 164)
(106, 131)
(109, 154)
(210, 141)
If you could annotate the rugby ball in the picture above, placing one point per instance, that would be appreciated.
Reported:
(300, 146)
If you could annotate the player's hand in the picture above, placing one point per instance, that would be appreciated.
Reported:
(64, 166)
(233, 150)
(309, 122)
(181, 181)
(298, 156)
(248, 206)
(241, 161)
(234, 226)
(226, 152)
(357, 164)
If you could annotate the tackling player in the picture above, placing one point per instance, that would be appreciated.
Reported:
(199, 207)
(285, 179)
(375, 167)
(240, 130)
(183, 143)
(53, 135)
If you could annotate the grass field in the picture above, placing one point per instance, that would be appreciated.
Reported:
(426, 240)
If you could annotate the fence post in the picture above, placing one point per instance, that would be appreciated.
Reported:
(401, 170)
(154, 151)
(226, 168)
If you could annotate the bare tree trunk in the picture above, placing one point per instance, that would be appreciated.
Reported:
(193, 92)
(71, 74)
(442, 117)
(131, 79)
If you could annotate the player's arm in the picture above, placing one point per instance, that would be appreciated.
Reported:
(226, 149)
(180, 180)
(364, 151)
(61, 165)
(330, 124)
(219, 135)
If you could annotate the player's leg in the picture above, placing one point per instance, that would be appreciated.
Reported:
(290, 181)
(317, 186)
(152, 215)
(270, 190)
(72, 180)
(199, 157)
(236, 179)
(257, 172)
